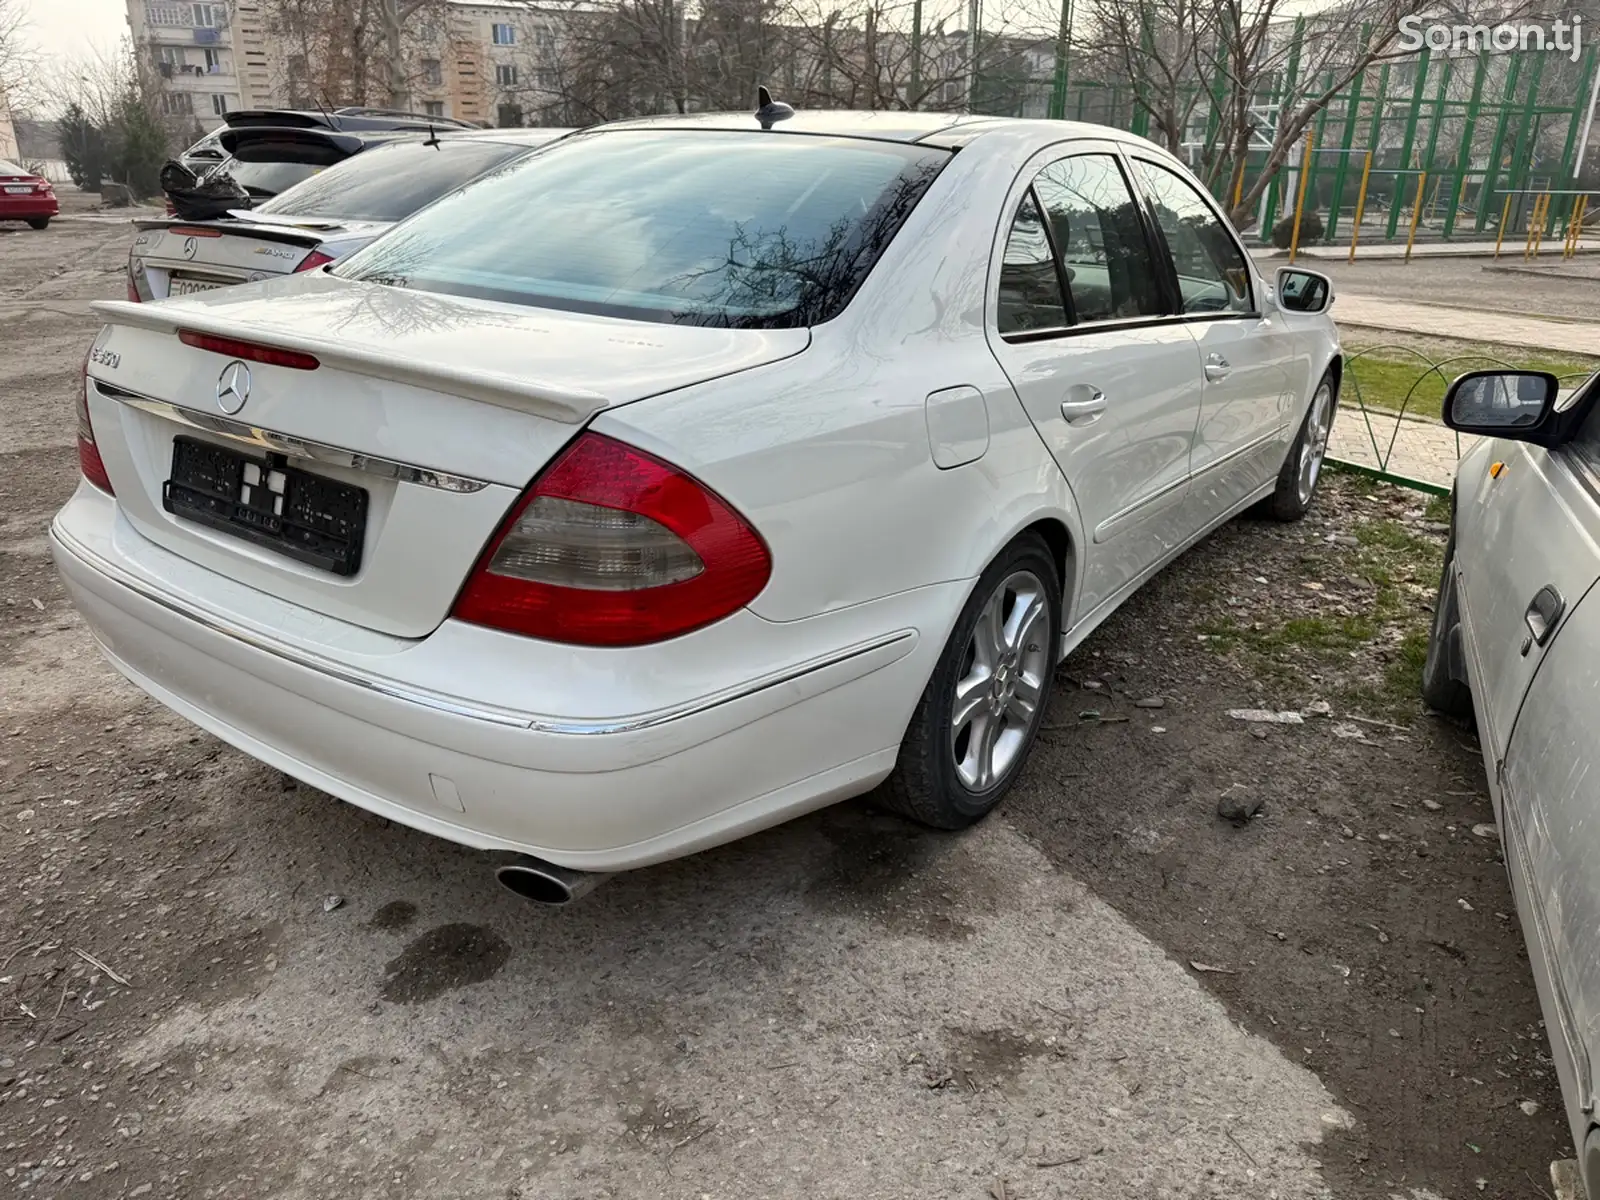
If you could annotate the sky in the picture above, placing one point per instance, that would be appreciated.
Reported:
(59, 29)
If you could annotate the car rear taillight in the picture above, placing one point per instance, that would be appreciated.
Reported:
(94, 470)
(314, 260)
(613, 547)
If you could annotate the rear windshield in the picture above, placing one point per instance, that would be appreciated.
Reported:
(267, 178)
(695, 227)
(10, 168)
(391, 182)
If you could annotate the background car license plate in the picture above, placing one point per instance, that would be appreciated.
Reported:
(187, 287)
(263, 500)
(18, 191)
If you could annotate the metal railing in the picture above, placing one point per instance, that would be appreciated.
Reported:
(1386, 437)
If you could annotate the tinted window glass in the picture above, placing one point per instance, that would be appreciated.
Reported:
(267, 178)
(694, 227)
(391, 182)
(10, 168)
(1100, 239)
(1030, 288)
(1212, 274)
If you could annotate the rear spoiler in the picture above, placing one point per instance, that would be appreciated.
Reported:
(266, 116)
(570, 406)
(283, 143)
(286, 234)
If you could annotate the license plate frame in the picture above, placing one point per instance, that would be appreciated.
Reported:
(299, 514)
(182, 285)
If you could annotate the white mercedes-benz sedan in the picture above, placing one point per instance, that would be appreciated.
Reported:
(690, 475)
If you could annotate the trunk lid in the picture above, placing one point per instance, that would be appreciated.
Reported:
(171, 258)
(440, 409)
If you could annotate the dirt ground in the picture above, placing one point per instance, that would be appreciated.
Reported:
(217, 983)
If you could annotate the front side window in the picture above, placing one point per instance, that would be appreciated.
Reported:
(505, 35)
(695, 227)
(1212, 273)
(1030, 287)
(1100, 238)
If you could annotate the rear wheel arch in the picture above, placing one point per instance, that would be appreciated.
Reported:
(1058, 538)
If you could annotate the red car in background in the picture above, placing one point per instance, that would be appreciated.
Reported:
(25, 196)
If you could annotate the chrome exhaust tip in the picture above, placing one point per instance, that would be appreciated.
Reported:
(545, 883)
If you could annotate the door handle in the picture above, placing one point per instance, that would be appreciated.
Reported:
(1217, 368)
(1544, 610)
(1083, 405)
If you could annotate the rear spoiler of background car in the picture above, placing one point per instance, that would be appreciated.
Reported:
(287, 234)
(265, 116)
(282, 143)
(570, 406)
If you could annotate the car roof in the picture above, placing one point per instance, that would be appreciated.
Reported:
(947, 130)
(516, 136)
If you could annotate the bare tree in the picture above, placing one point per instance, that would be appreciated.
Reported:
(1162, 47)
(18, 62)
(1225, 59)
(356, 51)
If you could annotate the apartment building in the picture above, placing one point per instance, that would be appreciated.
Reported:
(207, 56)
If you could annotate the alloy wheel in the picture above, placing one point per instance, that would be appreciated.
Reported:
(997, 697)
(1314, 448)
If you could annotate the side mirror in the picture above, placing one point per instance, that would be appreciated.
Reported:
(1303, 291)
(1507, 404)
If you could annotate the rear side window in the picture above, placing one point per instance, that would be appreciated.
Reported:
(389, 183)
(1030, 288)
(1212, 274)
(697, 227)
(1100, 238)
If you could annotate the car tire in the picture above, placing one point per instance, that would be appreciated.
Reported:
(39, 222)
(955, 766)
(1302, 468)
(1441, 691)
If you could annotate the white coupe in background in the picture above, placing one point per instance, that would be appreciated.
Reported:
(691, 475)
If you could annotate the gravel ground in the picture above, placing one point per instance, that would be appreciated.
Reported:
(217, 983)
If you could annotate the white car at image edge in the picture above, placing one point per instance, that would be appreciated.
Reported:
(691, 475)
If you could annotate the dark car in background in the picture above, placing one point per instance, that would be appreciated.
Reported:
(322, 218)
(267, 151)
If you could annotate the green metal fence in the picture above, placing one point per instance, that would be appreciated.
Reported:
(1388, 424)
(1476, 129)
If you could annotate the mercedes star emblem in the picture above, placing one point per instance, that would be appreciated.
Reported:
(233, 387)
(189, 247)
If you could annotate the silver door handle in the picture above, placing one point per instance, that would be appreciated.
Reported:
(1086, 410)
(1217, 368)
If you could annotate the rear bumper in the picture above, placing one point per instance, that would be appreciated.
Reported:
(22, 208)
(593, 793)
